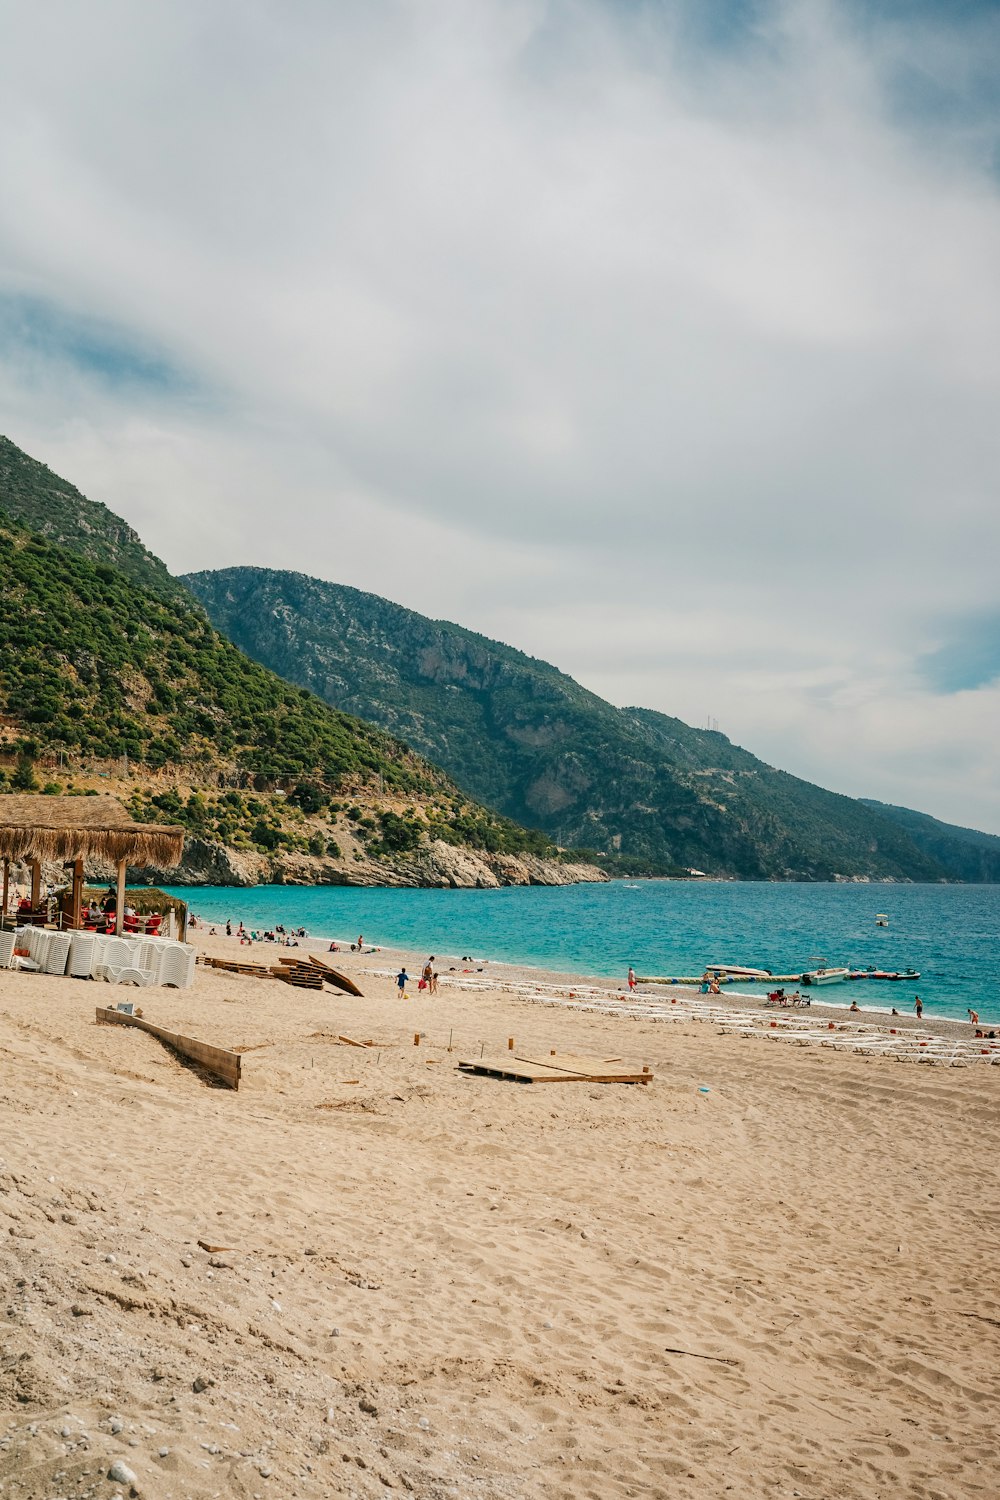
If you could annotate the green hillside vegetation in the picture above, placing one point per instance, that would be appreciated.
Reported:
(646, 791)
(972, 855)
(92, 667)
(38, 499)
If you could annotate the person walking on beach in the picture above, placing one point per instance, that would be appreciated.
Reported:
(973, 1017)
(427, 975)
(918, 1006)
(402, 979)
(631, 979)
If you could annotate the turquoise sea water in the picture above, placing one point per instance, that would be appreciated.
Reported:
(948, 933)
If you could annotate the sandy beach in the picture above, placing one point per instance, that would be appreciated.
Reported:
(767, 1273)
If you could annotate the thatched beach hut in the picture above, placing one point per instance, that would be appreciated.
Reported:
(72, 829)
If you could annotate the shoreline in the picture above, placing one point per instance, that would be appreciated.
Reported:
(498, 974)
(599, 931)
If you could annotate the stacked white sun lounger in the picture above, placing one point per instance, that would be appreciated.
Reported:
(6, 949)
(120, 960)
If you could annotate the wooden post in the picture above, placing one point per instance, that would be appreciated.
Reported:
(36, 883)
(120, 899)
(510, 1044)
(6, 886)
(77, 892)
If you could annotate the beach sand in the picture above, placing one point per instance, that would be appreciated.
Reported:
(426, 1283)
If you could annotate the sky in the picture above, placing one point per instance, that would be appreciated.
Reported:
(657, 338)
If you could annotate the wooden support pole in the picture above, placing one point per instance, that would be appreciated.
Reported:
(416, 1039)
(77, 898)
(510, 1044)
(6, 886)
(120, 898)
(36, 883)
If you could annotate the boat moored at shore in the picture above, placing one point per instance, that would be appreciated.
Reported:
(825, 976)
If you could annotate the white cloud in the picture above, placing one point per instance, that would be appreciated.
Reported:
(677, 365)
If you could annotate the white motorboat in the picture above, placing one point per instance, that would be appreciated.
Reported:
(881, 920)
(826, 976)
(736, 971)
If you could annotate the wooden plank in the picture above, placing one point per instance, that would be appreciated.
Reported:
(334, 976)
(221, 1063)
(593, 1068)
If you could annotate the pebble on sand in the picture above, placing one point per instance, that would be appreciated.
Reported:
(121, 1473)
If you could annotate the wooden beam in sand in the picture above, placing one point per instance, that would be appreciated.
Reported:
(218, 1061)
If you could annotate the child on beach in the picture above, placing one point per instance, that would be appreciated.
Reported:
(402, 979)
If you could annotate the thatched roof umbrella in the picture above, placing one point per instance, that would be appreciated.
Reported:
(73, 828)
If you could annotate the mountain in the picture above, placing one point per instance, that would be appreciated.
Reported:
(966, 853)
(645, 790)
(109, 681)
(52, 507)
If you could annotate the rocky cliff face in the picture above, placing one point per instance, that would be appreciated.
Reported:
(436, 864)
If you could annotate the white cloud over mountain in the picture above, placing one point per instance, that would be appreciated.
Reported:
(666, 350)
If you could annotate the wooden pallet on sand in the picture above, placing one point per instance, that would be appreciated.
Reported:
(236, 966)
(556, 1067)
(302, 975)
